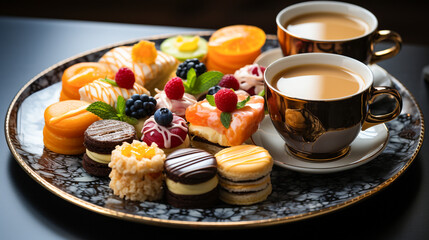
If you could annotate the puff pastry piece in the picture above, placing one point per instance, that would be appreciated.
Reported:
(147, 75)
(100, 90)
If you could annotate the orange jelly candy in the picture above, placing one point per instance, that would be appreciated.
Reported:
(80, 74)
(138, 150)
(233, 47)
(65, 125)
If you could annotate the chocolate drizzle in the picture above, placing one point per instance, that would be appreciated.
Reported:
(190, 166)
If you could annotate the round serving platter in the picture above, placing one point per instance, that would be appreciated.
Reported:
(296, 195)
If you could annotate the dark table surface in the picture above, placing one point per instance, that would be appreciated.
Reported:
(29, 211)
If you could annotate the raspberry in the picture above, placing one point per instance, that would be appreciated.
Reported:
(254, 70)
(125, 78)
(229, 81)
(226, 100)
(174, 88)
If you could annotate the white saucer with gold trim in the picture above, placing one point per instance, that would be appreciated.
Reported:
(367, 146)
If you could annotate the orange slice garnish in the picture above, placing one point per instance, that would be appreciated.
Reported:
(237, 40)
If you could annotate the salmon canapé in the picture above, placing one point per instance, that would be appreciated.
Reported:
(204, 121)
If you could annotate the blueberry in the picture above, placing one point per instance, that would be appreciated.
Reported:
(213, 90)
(134, 115)
(183, 68)
(135, 97)
(129, 102)
(128, 111)
(149, 106)
(141, 113)
(144, 97)
(138, 104)
(152, 100)
(163, 116)
(190, 65)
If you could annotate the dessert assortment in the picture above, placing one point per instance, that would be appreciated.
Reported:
(149, 120)
(170, 124)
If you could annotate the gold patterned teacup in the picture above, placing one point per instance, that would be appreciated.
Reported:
(323, 129)
(354, 31)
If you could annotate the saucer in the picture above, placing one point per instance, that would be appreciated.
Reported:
(381, 77)
(368, 145)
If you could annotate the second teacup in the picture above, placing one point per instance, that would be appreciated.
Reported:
(334, 27)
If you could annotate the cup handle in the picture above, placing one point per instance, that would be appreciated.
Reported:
(371, 119)
(385, 35)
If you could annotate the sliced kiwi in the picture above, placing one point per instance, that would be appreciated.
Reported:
(169, 47)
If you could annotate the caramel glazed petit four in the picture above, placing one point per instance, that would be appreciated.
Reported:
(244, 173)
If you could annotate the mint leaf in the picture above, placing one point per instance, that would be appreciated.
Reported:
(129, 120)
(120, 105)
(105, 111)
(225, 119)
(102, 110)
(206, 81)
(241, 104)
(211, 100)
(196, 85)
(191, 77)
(190, 80)
(110, 81)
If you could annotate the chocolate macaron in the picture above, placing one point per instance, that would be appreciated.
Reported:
(100, 139)
(191, 178)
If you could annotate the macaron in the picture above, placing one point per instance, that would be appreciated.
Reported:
(244, 174)
(65, 125)
(191, 178)
(100, 139)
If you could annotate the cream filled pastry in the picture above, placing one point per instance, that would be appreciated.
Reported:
(177, 106)
(251, 78)
(149, 65)
(100, 90)
(191, 179)
(169, 135)
(100, 139)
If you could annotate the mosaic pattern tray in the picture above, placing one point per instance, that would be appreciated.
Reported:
(295, 196)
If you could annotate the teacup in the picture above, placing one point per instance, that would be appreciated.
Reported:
(334, 27)
(317, 124)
